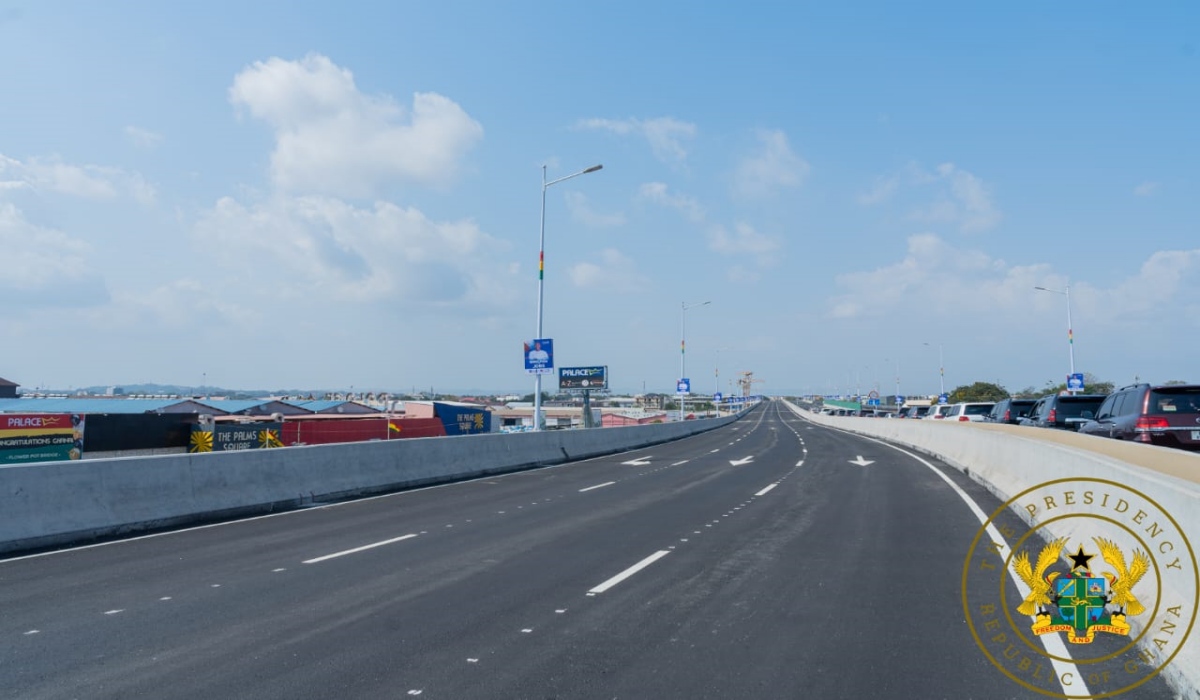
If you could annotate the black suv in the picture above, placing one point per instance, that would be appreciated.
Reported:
(1064, 411)
(1010, 410)
(1160, 415)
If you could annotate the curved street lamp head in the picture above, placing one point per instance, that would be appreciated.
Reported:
(546, 184)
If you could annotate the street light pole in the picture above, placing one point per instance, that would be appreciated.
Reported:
(941, 370)
(537, 384)
(684, 306)
(899, 398)
(1070, 332)
(717, 379)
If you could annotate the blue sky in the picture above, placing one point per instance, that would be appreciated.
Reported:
(310, 195)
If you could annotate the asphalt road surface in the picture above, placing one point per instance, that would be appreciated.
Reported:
(772, 558)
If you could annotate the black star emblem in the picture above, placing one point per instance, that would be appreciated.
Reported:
(1080, 560)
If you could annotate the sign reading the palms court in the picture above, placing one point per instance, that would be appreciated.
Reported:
(1081, 588)
(230, 437)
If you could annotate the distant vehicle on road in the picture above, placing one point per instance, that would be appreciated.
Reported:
(1166, 415)
(969, 411)
(937, 412)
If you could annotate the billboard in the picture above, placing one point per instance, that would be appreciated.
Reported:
(228, 437)
(40, 437)
(463, 420)
(576, 378)
(539, 356)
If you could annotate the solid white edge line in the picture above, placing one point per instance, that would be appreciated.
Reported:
(598, 486)
(630, 571)
(358, 549)
(1054, 644)
(764, 491)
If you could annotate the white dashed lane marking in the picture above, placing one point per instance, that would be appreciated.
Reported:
(357, 549)
(629, 572)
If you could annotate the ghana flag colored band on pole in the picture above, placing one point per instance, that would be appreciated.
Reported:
(541, 264)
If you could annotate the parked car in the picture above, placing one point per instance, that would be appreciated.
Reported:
(969, 411)
(913, 411)
(1167, 415)
(1064, 411)
(1010, 410)
(937, 412)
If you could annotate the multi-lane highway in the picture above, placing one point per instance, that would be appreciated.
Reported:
(772, 558)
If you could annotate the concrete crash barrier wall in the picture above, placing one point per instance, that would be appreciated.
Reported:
(53, 503)
(1009, 459)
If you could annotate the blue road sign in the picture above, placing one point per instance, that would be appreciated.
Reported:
(899, 400)
(718, 397)
(872, 402)
(683, 386)
(539, 356)
(943, 398)
(1075, 381)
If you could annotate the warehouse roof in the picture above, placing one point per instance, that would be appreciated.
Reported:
(331, 406)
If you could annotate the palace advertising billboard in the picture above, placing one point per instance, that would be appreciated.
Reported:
(40, 437)
(579, 378)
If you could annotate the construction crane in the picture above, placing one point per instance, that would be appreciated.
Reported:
(745, 380)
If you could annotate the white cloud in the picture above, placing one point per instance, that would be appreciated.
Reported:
(880, 192)
(963, 200)
(83, 181)
(292, 247)
(1146, 189)
(664, 134)
(744, 240)
(611, 271)
(936, 276)
(143, 138)
(659, 193)
(332, 139)
(582, 211)
(772, 168)
(181, 303)
(738, 274)
(946, 281)
(45, 267)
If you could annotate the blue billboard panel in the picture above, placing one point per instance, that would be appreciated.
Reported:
(463, 420)
(539, 356)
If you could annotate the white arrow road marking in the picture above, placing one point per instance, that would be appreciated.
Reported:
(862, 462)
(639, 462)
(740, 462)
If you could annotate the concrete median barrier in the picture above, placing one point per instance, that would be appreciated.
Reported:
(54, 503)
